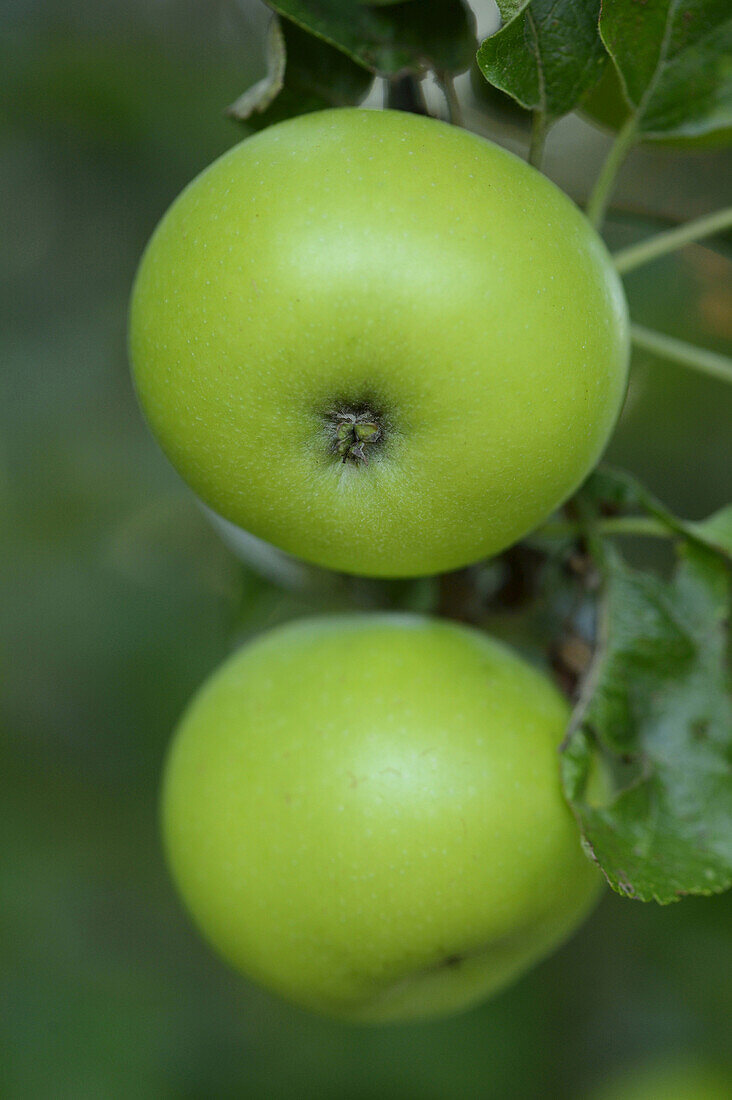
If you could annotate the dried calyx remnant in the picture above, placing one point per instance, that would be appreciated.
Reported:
(354, 432)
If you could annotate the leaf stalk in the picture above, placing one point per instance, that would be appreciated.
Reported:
(538, 138)
(601, 192)
(628, 259)
(711, 363)
(645, 526)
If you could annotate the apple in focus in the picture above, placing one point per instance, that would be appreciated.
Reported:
(379, 342)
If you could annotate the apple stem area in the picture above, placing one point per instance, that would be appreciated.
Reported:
(353, 434)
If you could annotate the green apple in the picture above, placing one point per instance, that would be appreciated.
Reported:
(379, 342)
(364, 814)
(606, 106)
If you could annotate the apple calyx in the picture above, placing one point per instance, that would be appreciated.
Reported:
(353, 433)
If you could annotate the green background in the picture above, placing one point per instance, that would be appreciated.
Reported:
(116, 600)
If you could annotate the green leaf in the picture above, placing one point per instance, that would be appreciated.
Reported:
(656, 703)
(547, 54)
(716, 530)
(407, 37)
(304, 74)
(673, 57)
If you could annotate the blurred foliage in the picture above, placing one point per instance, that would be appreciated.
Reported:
(117, 599)
(671, 1080)
(606, 106)
(438, 35)
(305, 74)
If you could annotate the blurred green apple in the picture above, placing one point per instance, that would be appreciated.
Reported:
(364, 814)
(674, 1079)
(379, 342)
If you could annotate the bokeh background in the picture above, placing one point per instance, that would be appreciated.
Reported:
(117, 599)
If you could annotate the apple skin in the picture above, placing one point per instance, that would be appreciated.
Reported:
(352, 259)
(363, 813)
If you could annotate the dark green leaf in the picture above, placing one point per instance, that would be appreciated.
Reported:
(408, 37)
(657, 704)
(315, 77)
(547, 54)
(673, 57)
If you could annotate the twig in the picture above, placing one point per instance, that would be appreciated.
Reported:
(663, 243)
(678, 351)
